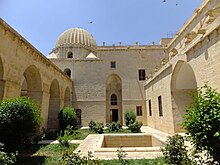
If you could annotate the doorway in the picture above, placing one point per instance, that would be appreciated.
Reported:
(114, 115)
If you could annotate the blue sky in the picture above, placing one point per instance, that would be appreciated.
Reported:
(126, 21)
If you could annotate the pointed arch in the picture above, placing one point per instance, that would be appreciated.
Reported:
(54, 105)
(183, 84)
(113, 98)
(31, 84)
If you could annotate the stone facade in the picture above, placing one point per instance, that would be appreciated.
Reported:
(155, 81)
(25, 71)
(193, 60)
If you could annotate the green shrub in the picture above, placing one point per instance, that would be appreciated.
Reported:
(96, 127)
(121, 154)
(99, 128)
(114, 126)
(75, 158)
(6, 159)
(130, 117)
(135, 127)
(92, 125)
(175, 152)
(19, 121)
(63, 140)
(67, 116)
(202, 121)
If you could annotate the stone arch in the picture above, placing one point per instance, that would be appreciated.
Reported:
(54, 106)
(113, 88)
(183, 84)
(2, 82)
(67, 72)
(67, 100)
(31, 84)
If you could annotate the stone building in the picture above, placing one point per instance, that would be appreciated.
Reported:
(102, 82)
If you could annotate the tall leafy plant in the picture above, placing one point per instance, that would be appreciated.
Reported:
(202, 121)
(19, 121)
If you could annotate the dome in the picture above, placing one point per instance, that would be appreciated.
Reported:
(76, 37)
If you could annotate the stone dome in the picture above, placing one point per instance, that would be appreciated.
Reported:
(76, 37)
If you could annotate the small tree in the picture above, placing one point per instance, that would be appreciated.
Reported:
(175, 152)
(202, 121)
(130, 117)
(19, 121)
(67, 116)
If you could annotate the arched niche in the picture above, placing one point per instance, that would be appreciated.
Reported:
(54, 106)
(31, 84)
(67, 72)
(183, 84)
(113, 93)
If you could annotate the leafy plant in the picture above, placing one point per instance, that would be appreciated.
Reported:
(202, 121)
(67, 116)
(135, 127)
(7, 159)
(99, 128)
(130, 117)
(122, 156)
(76, 158)
(175, 151)
(114, 126)
(19, 122)
(96, 127)
(92, 125)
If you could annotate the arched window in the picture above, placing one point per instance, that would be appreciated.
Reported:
(113, 99)
(67, 71)
(69, 55)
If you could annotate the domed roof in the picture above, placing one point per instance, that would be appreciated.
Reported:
(76, 37)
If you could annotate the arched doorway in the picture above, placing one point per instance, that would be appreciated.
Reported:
(183, 84)
(31, 84)
(67, 97)
(54, 106)
(113, 99)
(2, 83)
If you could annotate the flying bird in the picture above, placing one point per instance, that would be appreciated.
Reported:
(90, 22)
(164, 1)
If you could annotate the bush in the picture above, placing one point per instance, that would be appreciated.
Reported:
(130, 117)
(67, 116)
(202, 121)
(135, 127)
(114, 126)
(6, 159)
(96, 127)
(77, 158)
(92, 125)
(175, 152)
(19, 121)
(99, 128)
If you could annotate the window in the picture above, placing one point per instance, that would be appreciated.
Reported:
(141, 73)
(113, 64)
(160, 106)
(113, 99)
(69, 55)
(149, 106)
(139, 110)
(67, 72)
